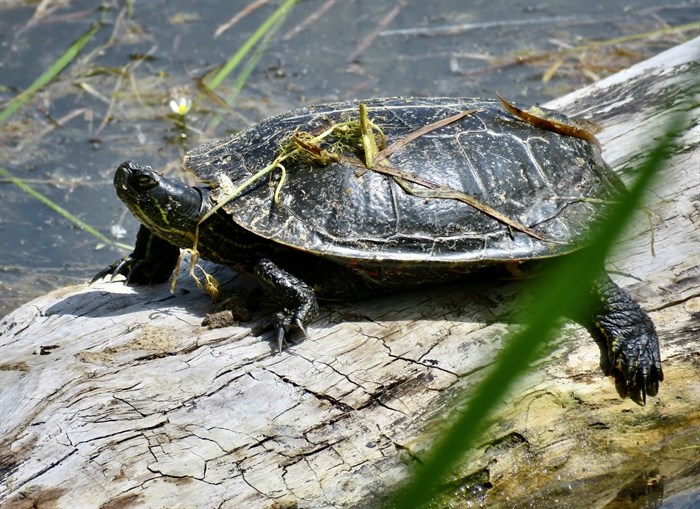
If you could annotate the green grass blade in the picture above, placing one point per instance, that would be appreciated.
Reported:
(252, 63)
(236, 59)
(264, 32)
(560, 293)
(59, 210)
(18, 101)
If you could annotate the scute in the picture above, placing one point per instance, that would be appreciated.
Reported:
(548, 182)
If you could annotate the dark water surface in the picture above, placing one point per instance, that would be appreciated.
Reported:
(111, 104)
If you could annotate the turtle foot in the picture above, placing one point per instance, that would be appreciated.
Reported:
(298, 298)
(152, 261)
(282, 323)
(632, 346)
(633, 355)
(136, 271)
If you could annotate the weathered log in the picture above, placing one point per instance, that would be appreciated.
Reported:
(112, 396)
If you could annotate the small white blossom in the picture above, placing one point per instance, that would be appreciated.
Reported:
(181, 106)
(117, 231)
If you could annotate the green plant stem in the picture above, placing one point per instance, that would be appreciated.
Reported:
(59, 210)
(236, 59)
(18, 101)
(245, 73)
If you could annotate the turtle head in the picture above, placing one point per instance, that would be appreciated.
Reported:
(169, 208)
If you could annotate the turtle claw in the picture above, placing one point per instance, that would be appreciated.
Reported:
(638, 374)
(281, 341)
(282, 323)
(122, 266)
(134, 270)
(104, 272)
(300, 326)
(126, 267)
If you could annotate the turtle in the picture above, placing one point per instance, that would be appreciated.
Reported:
(454, 186)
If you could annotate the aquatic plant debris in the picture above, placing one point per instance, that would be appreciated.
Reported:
(536, 116)
(49, 74)
(60, 210)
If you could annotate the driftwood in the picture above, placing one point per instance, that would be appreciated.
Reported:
(112, 396)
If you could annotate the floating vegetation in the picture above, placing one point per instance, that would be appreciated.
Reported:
(49, 74)
(59, 210)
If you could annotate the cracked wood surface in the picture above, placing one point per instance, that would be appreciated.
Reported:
(113, 396)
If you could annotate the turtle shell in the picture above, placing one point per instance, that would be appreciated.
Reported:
(551, 183)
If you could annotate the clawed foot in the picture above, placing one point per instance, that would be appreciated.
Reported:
(127, 266)
(632, 346)
(136, 271)
(298, 298)
(636, 365)
(152, 261)
(284, 321)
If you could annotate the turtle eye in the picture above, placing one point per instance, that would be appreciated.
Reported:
(145, 181)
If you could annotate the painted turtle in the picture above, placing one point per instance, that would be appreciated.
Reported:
(464, 184)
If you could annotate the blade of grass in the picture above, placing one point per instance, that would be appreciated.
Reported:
(252, 62)
(18, 101)
(244, 74)
(59, 210)
(559, 295)
(264, 31)
(236, 59)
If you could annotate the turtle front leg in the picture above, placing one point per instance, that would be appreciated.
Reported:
(633, 356)
(297, 297)
(152, 261)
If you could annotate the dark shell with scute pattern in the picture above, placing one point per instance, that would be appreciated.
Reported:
(549, 182)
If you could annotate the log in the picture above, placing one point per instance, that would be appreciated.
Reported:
(114, 396)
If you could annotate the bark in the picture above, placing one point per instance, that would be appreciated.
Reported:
(112, 396)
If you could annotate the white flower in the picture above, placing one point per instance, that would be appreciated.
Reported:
(181, 106)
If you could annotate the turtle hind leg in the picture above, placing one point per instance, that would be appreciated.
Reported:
(632, 347)
(152, 261)
(295, 295)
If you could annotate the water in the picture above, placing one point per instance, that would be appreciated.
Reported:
(111, 104)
